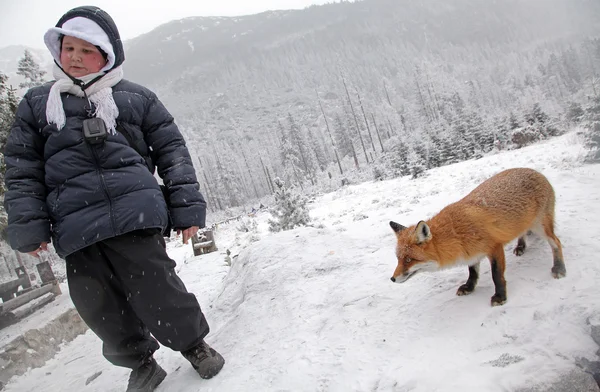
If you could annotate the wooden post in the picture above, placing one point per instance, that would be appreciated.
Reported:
(24, 298)
(195, 240)
(210, 237)
(46, 273)
(204, 242)
(23, 276)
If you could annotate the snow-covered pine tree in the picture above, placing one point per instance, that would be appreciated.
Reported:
(379, 172)
(397, 159)
(592, 123)
(502, 133)
(30, 70)
(574, 113)
(436, 146)
(343, 140)
(513, 121)
(302, 150)
(538, 114)
(463, 138)
(290, 210)
(316, 146)
(289, 158)
(417, 162)
(8, 108)
(228, 186)
(483, 134)
(537, 127)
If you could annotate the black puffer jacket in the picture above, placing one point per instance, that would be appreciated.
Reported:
(60, 186)
(88, 193)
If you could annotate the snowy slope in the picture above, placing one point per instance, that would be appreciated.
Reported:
(313, 309)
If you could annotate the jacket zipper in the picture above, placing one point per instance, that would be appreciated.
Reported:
(100, 173)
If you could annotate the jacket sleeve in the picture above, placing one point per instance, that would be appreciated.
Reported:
(172, 158)
(25, 198)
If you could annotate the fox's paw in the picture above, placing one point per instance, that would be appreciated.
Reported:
(465, 289)
(498, 300)
(559, 272)
(519, 250)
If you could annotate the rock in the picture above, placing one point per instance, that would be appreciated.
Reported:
(596, 334)
(506, 360)
(575, 381)
(93, 377)
(35, 346)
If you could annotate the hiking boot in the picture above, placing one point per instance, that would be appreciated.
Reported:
(147, 377)
(204, 359)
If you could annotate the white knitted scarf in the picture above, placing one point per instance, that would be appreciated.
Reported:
(99, 94)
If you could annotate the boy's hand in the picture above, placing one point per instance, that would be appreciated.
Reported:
(188, 233)
(43, 247)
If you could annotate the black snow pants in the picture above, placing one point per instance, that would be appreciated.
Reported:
(125, 289)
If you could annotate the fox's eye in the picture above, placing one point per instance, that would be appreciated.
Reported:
(407, 260)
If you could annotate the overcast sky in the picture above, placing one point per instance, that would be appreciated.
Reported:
(24, 22)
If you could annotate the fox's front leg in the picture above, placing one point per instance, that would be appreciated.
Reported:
(468, 287)
(498, 263)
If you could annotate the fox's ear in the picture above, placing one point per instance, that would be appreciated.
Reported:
(423, 233)
(397, 227)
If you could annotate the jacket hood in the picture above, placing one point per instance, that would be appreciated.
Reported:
(93, 25)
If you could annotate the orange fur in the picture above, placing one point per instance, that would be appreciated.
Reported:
(502, 208)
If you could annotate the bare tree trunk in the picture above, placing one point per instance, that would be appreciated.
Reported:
(267, 175)
(207, 189)
(421, 98)
(270, 179)
(366, 122)
(387, 94)
(217, 200)
(243, 179)
(302, 155)
(355, 121)
(435, 107)
(226, 185)
(249, 173)
(377, 131)
(390, 126)
(337, 158)
(351, 143)
(594, 76)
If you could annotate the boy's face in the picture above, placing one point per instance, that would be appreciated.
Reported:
(79, 58)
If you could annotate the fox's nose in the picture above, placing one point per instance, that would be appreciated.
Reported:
(393, 279)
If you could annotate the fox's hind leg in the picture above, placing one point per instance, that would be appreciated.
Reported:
(558, 269)
(468, 287)
(521, 245)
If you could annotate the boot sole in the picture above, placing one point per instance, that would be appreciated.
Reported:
(154, 381)
(160, 375)
(211, 371)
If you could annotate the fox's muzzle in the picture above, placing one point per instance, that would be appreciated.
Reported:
(404, 277)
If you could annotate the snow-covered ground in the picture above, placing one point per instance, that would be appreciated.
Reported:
(313, 309)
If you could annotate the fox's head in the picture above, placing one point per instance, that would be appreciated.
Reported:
(414, 251)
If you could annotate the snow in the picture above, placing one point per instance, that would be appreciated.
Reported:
(40, 318)
(313, 309)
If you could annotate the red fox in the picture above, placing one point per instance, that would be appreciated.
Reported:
(502, 208)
